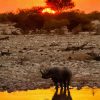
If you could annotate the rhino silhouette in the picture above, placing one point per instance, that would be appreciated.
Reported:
(59, 75)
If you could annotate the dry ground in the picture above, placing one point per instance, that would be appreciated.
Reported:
(22, 56)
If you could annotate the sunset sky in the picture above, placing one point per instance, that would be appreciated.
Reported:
(12, 5)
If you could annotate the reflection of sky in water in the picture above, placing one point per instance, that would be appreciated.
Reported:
(48, 94)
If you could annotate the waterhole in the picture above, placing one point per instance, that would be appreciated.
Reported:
(85, 93)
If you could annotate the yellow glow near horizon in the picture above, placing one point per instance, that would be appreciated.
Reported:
(83, 94)
(48, 10)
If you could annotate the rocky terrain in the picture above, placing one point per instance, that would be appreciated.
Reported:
(22, 56)
(9, 29)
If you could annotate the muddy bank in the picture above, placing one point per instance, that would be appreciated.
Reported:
(21, 58)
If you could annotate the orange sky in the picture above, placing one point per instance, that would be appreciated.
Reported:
(11, 5)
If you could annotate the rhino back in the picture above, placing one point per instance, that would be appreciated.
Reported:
(60, 74)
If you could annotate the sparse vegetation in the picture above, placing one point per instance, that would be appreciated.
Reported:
(32, 19)
(95, 15)
(54, 24)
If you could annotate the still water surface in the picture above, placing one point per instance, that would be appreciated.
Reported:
(49, 94)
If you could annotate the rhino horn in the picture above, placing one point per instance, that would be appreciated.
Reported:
(42, 72)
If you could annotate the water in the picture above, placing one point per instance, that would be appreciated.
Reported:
(48, 94)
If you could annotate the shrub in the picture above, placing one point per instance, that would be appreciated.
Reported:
(3, 18)
(29, 21)
(54, 24)
(94, 15)
(7, 17)
(79, 18)
(77, 29)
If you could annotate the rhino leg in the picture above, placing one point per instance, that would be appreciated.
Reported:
(61, 86)
(68, 86)
(56, 86)
(65, 87)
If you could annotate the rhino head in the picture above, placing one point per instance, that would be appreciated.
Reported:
(45, 73)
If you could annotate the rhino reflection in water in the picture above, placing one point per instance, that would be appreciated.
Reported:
(62, 96)
(60, 75)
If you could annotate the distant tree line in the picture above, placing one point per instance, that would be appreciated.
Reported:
(33, 19)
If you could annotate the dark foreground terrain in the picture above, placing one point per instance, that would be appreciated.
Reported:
(21, 58)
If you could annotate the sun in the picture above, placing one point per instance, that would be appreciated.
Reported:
(48, 10)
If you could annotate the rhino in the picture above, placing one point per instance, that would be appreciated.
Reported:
(59, 75)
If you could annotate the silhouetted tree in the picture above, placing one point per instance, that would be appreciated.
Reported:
(59, 4)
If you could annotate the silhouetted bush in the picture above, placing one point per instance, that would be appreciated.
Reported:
(30, 22)
(3, 18)
(7, 17)
(77, 18)
(77, 29)
(54, 24)
(94, 15)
